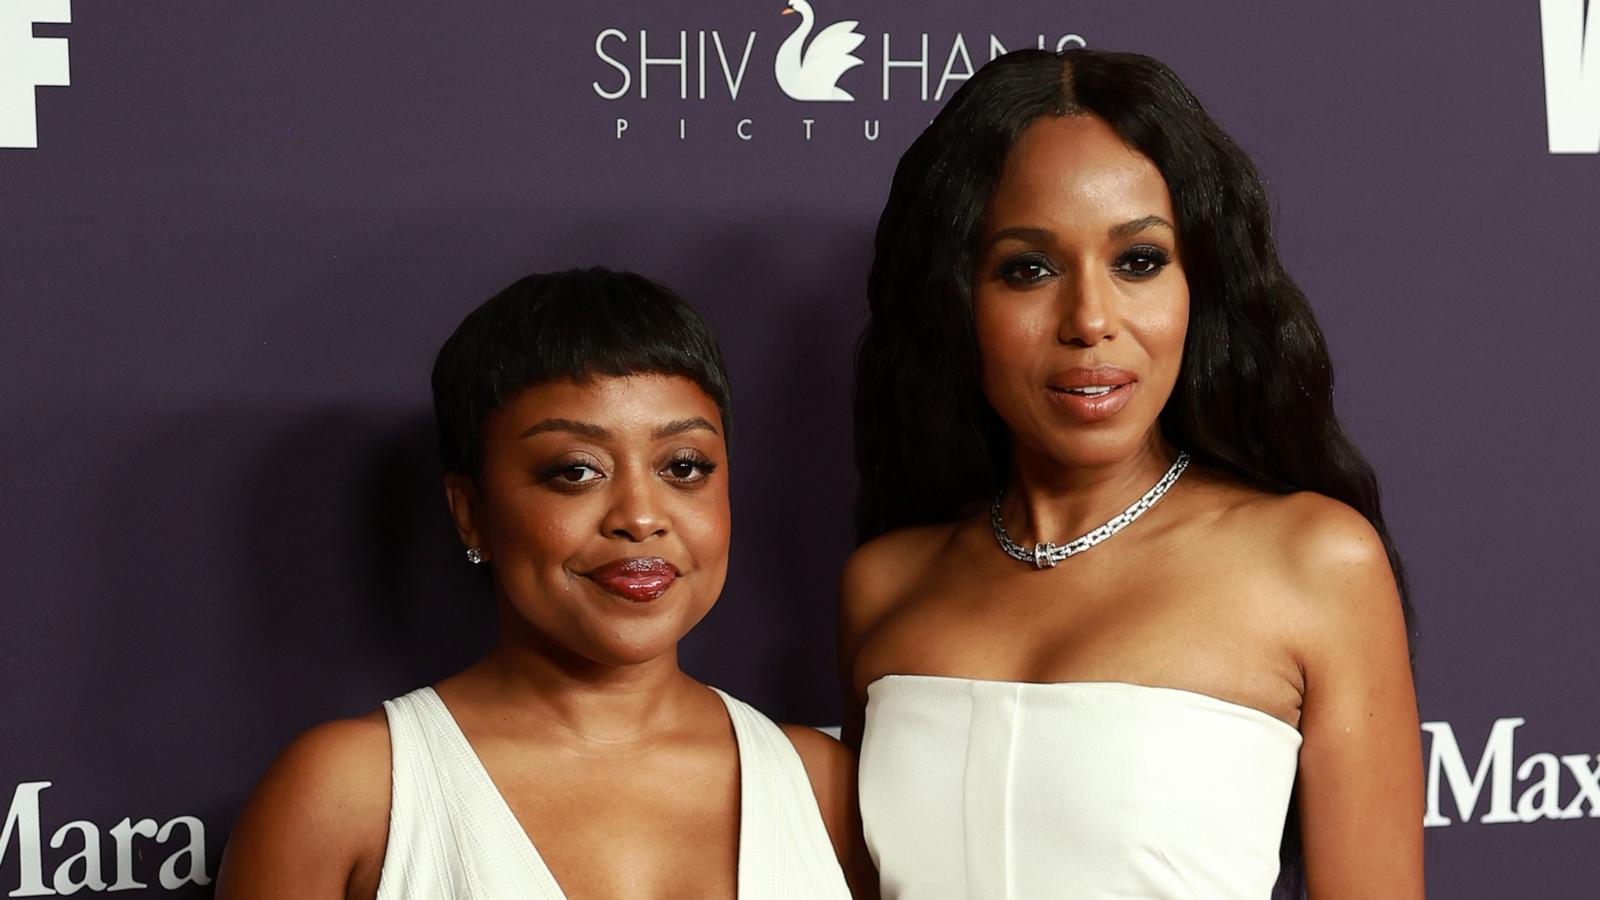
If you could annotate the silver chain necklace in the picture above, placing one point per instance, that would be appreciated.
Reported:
(1047, 555)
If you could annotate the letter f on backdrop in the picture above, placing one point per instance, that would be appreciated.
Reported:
(27, 62)
(1571, 74)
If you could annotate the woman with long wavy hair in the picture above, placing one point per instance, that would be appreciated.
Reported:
(1126, 620)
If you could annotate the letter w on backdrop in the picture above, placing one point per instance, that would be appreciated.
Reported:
(1571, 75)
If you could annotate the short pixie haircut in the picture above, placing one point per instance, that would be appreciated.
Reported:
(579, 324)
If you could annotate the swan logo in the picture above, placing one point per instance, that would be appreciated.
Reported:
(812, 72)
(1571, 74)
(27, 62)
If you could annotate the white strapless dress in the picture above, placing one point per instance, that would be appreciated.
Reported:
(999, 790)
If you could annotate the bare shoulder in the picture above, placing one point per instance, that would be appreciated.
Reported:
(831, 768)
(826, 760)
(320, 809)
(1316, 540)
(346, 761)
(1303, 535)
(1330, 562)
(874, 578)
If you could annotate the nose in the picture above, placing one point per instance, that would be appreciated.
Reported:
(636, 512)
(1087, 304)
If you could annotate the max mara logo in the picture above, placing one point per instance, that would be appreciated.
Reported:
(1547, 786)
(181, 838)
(1571, 74)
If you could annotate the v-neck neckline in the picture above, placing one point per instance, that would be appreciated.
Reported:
(506, 819)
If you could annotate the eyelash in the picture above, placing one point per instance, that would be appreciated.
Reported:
(1157, 258)
(553, 475)
(701, 465)
(1011, 270)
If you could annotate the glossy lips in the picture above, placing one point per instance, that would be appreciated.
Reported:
(637, 578)
(1092, 395)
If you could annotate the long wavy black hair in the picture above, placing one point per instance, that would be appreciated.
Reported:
(1254, 395)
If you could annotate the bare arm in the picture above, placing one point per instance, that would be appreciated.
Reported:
(852, 627)
(867, 593)
(316, 825)
(1360, 777)
(831, 768)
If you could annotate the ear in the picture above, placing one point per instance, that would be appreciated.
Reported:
(462, 496)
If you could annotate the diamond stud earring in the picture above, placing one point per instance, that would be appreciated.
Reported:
(475, 556)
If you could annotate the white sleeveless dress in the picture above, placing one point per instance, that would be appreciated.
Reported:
(452, 836)
(999, 790)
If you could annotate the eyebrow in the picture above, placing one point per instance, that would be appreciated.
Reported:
(1045, 236)
(595, 432)
(1128, 229)
(570, 426)
(1031, 235)
(679, 426)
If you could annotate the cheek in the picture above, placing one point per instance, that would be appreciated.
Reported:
(704, 524)
(1162, 326)
(541, 527)
(1008, 334)
(1175, 329)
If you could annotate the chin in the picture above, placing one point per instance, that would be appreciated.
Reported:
(634, 641)
(1093, 449)
(627, 658)
(622, 650)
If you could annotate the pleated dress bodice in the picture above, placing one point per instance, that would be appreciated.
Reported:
(998, 790)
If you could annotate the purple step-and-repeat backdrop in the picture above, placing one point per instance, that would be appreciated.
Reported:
(233, 235)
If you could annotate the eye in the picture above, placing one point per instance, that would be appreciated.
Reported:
(688, 467)
(579, 475)
(570, 475)
(1025, 270)
(1144, 261)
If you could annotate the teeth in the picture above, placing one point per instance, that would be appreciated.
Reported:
(1093, 391)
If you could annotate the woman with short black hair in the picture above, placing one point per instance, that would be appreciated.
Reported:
(583, 419)
(1082, 337)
